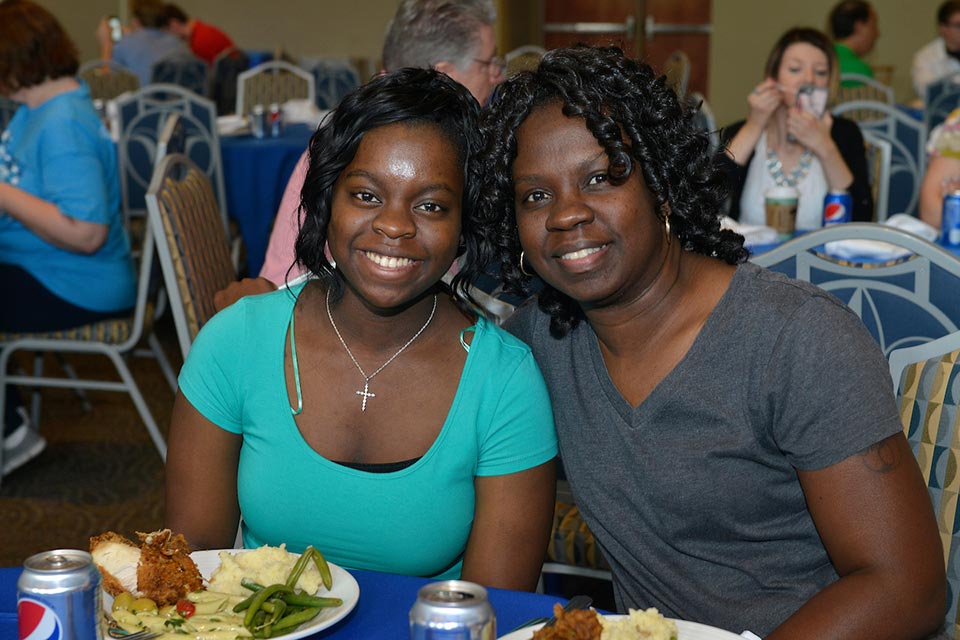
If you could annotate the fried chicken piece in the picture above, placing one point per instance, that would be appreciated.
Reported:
(117, 557)
(166, 572)
(580, 624)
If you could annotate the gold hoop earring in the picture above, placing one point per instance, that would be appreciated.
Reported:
(522, 270)
(666, 226)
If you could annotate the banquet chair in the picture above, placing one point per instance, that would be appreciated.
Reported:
(227, 66)
(141, 118)
(869, 89)
(903, 302)
(907, 138)
(273, 82)
(173, 138)
(115, 338)
(572, 549)
(7, 108)
(927, 381)
(704, 119)
(940, 98)
(107, 79)
(192, 243)
(879, 156)
(333, 80)
(523, 58)
(184, 70)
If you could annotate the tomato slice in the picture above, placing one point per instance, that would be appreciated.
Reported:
(186, 608)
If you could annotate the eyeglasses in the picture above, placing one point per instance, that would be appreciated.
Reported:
(495, 65)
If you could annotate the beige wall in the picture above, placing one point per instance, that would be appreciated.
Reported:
(744, 31)
(736, 62)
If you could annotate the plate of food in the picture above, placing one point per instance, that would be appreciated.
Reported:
(160, 586)
(637, 625)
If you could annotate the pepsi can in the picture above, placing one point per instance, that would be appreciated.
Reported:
(452, 610)
(258, 121)
(59, 597)
(837, 207)
(950, 222)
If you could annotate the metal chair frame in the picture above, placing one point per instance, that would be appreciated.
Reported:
(923, 281)
(275, 68)
(879, 158)
(940, 98)
(908, 159)
(117, 353)
(142, 116)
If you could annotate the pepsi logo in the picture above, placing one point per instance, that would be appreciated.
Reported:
(834, 211)
(37, 621)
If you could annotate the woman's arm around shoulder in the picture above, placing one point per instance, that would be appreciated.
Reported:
(201, 479)
(873, 513)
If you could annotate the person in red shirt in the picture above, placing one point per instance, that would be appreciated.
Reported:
(205, 40)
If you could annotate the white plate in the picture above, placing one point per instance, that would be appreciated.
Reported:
(345, 587)
(686, 631)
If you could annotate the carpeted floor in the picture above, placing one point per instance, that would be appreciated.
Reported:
(100, 470)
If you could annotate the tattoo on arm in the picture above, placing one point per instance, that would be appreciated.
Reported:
(881, 457)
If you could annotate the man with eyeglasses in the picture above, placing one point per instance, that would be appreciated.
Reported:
(942, 56)
(452, 36)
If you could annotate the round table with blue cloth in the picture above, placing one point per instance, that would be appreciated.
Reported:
(255, 174)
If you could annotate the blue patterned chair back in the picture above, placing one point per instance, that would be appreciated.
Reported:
(333, 80)
(227, 67)
(929, 395)
(186, 71)
(903, 302)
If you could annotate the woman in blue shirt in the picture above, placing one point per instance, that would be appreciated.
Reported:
(64, 255)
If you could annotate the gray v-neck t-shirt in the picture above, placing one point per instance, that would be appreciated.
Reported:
(693, 495)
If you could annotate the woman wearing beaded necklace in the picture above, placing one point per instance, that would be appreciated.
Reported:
(781, 145)
(370, 412)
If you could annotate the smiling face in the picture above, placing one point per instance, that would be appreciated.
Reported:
(395, 216)
(802, 63)
(596, 242)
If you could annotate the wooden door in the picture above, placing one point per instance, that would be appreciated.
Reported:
(648, 29)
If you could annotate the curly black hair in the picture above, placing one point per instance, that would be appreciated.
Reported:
(636, 118)
(409, 96)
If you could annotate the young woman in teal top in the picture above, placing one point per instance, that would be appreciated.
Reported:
(370, 412)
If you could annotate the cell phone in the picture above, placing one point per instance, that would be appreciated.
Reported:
(812, 99)
(116, 30)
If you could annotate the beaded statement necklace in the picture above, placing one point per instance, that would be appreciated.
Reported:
(792, 179)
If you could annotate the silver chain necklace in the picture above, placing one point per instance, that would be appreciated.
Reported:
(365, 394)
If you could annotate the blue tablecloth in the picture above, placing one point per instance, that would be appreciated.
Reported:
(381, 613)
(255, 173)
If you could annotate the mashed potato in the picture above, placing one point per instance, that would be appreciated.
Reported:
(266, 565)
(639, 625)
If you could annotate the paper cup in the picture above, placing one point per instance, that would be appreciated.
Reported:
(781, 207)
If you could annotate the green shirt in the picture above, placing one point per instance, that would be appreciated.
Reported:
(850, 63)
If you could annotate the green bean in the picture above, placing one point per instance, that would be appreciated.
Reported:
(299, 566)
(259, 598)
(247, 583)
(303, 600)
(295, 619)
(323, 568)
(246, 602)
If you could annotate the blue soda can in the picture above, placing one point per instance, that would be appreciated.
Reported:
(837, 207)
(950, 222)
(452, 610)
(59, 597)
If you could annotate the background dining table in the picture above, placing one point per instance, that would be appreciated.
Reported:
(380, 614)
(255, 174)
